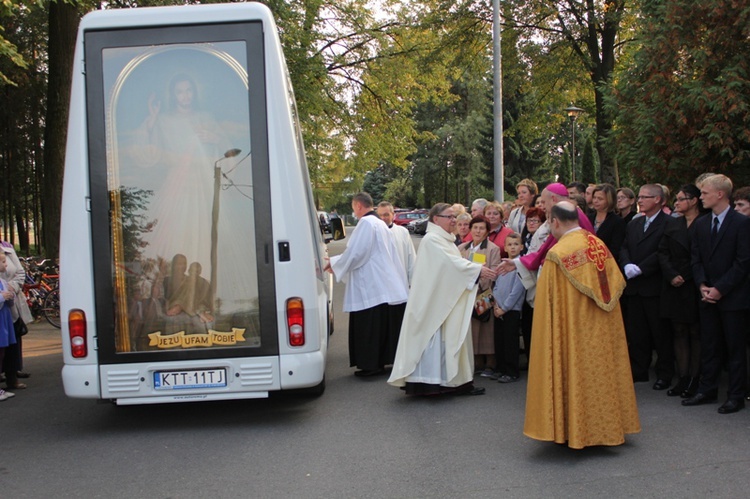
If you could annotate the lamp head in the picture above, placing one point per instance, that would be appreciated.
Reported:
(573, 111)
(231, 153)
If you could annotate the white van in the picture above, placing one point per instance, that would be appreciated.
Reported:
(191, 251)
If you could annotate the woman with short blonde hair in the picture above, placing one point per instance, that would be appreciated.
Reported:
(493, 212)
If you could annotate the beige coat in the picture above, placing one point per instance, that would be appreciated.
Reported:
(483, 333)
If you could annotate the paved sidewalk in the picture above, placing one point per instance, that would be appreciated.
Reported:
(42, 339)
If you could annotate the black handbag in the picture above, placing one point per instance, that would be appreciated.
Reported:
(20, 328)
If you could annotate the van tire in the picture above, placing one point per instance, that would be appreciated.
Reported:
(317, 390)
(330, 322)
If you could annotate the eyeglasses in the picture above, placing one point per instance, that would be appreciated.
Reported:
(533, 220)
(447, 216)
(646, 197)
(683, 199)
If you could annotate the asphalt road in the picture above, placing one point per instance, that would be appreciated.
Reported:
(362, 438)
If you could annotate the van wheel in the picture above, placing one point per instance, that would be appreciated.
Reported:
(317, 390)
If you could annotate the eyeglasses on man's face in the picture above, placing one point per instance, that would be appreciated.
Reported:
(447, 216)
(646, 197)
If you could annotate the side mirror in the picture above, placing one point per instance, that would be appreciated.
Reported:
(337, 228)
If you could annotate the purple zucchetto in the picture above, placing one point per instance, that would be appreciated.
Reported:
(558, 188)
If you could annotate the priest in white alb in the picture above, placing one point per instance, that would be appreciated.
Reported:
(434, 354)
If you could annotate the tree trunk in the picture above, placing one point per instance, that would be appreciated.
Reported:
(23, 236)
(63, 26)
(601, 78)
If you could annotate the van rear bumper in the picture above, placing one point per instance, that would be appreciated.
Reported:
(246, 377)
(302, 370)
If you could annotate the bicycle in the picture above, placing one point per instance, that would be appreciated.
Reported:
(42, 292)
(51, 307)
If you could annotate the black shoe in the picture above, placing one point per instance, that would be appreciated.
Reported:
(731, 405)
(680, 387)
(700, 398)
(661, 384)
(473, 391)
(691, 389)
(366, 373)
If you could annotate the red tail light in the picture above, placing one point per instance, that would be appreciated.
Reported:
(295, 321)
(77, 330)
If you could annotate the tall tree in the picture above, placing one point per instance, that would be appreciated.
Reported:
(591, 30)
(21, 113)
(8, 50)
(63, 26)
(589, 160)
(685, 100)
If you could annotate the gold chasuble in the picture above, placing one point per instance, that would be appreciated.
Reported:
(580, 388)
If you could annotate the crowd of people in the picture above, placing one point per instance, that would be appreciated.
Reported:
(14, 315)
(652, 276)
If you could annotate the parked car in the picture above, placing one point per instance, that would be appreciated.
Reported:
(405, 217)
(419, 227)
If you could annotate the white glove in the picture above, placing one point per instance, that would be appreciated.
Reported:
(632, 270)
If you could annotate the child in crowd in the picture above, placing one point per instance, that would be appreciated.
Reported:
(7, 333)
(509, 295)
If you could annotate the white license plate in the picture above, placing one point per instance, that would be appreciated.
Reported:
(190, 378)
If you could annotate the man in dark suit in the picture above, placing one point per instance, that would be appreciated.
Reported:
(640, 263)
(721, 263)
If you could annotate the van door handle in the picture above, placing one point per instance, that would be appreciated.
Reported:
(284, 253)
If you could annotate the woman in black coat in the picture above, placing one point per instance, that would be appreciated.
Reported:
(679, 296)
(609, 226)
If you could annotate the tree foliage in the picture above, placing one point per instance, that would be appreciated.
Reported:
(21, 119)
(685, 103)
(403, 89)
(8, 50)
(590, 32)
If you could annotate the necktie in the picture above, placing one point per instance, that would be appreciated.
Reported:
(646, 224)
(714, 229)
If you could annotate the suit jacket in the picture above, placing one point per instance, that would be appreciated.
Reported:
(725, 264)
(611, 232)
(641, 248)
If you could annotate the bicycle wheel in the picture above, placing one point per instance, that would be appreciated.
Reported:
(51, 307)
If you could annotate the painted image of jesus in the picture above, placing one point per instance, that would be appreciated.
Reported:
(185, 141)
(180, 132)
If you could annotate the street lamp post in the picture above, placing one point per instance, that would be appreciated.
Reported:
(497, 96)
(231, 153)
(573, 113)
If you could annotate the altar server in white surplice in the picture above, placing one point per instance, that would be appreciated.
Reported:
(375, 279)
(408, 256)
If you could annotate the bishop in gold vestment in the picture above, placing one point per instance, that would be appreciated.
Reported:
(580, 389)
